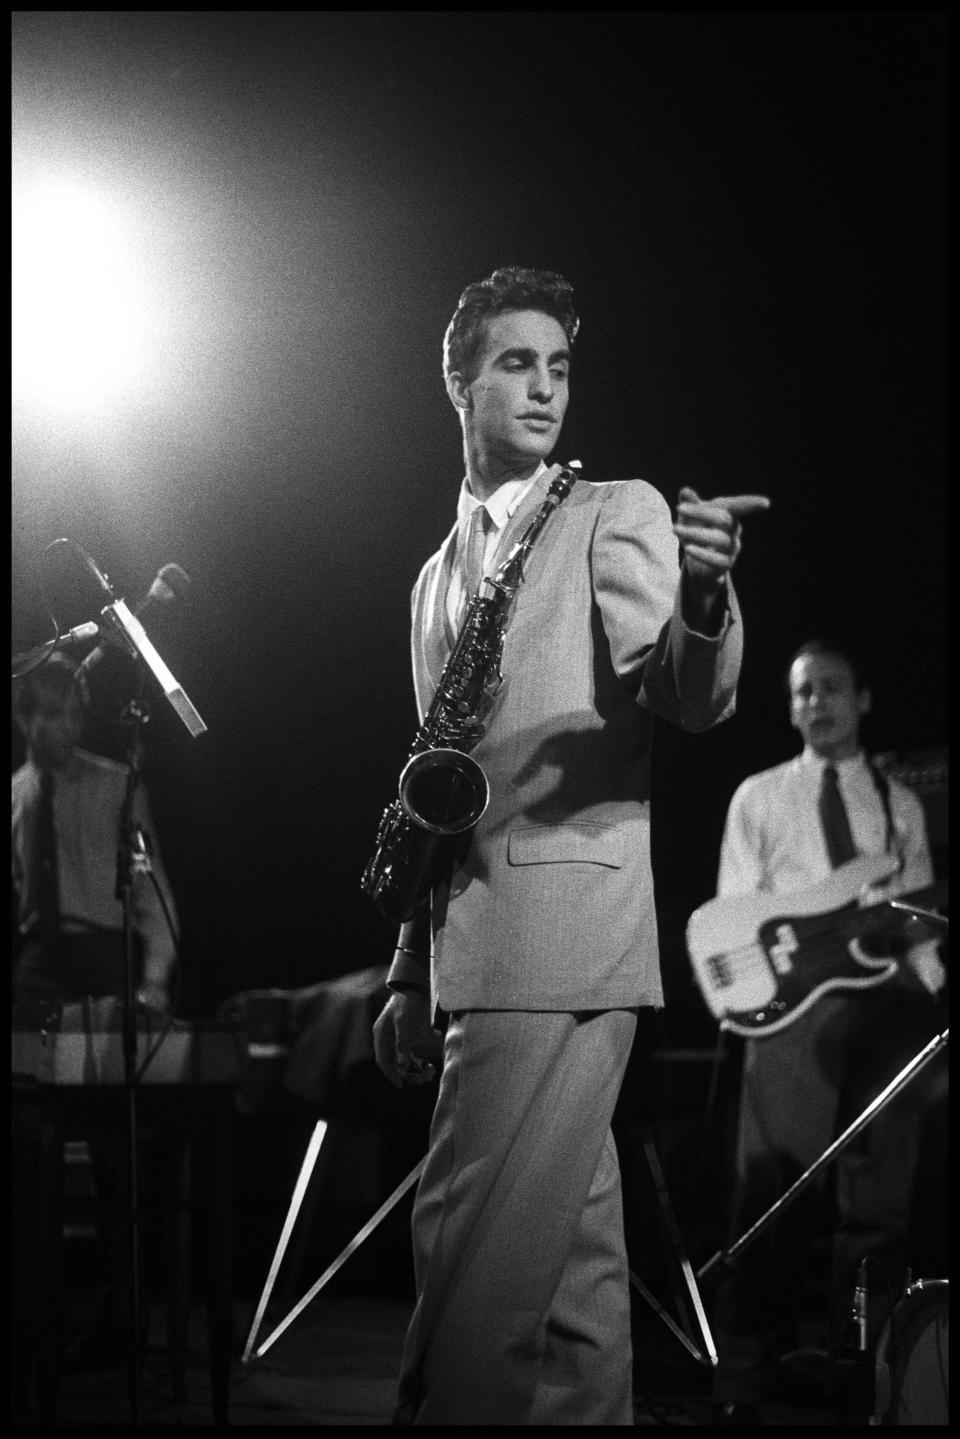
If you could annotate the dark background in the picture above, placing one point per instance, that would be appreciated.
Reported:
(752, 210)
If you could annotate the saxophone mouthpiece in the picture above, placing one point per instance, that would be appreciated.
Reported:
(565, 480)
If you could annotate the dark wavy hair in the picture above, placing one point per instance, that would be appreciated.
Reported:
(59, 675)
(509, 288)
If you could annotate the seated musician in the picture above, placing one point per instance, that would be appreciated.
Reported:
(67, 806)
(66, 826)
(787, 829)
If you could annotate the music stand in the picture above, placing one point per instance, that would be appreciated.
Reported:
(681, 1263)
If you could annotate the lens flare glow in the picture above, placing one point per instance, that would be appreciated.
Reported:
(78, 321)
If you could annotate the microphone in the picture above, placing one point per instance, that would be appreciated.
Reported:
(121, 626)
(170, 583)
(78, 635)
(27, 659)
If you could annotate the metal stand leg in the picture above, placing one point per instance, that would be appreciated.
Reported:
(300, 1189)
(685, 1335)
(677, 1254)
(728, 1257)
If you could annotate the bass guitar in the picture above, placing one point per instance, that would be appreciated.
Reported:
(762, 960)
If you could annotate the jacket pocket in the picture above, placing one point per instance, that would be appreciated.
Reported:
(561, 844)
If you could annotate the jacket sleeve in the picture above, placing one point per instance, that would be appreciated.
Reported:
(684, 677)
(741, 849)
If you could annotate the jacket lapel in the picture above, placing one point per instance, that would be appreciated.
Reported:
(429, 643)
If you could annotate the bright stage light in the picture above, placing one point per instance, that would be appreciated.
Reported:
(78, 322)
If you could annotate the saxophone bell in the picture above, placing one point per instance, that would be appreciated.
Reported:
(444, 791)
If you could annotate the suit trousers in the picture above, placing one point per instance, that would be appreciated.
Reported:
(523, 1308)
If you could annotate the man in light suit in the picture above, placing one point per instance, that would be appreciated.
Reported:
(540, 945)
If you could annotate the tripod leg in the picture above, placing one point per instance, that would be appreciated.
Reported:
(299, 1191)
(679, 1252)
(677, 1261)
(341, 1259)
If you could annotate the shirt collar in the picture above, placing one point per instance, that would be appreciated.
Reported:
(502, 504)
(818, 762)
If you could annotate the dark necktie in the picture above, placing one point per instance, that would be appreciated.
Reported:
(46, 897)
(833, 816)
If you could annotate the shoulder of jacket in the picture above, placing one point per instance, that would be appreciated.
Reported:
(635, 495)
(420, 584)
(614, 489)
(626, 497)
(434, 561)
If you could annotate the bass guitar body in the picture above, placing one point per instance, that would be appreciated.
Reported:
(762, 960)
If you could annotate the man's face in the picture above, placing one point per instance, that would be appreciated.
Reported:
(54, 728)
(515, 404)
(826, 706)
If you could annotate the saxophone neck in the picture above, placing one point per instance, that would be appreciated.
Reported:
(510, 574)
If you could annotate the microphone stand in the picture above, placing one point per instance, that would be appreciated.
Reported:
(118, 622)
(727, 1258)
(132, 859)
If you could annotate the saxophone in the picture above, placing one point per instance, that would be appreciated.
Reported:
(442, 791)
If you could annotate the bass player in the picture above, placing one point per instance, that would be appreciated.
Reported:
(787, 829)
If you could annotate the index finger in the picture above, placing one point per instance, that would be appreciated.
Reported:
(739, 505)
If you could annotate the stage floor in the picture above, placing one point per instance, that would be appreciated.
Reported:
(337, 1365)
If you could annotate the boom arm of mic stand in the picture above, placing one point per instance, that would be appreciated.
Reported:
(936, 922)
(728, 1257)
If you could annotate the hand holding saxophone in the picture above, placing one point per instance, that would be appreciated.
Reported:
(407, 1048)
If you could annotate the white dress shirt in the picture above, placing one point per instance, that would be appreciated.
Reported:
(773, 839)
(87, 799)
(500, 508)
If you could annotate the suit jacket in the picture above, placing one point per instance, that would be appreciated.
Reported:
(552, 907)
